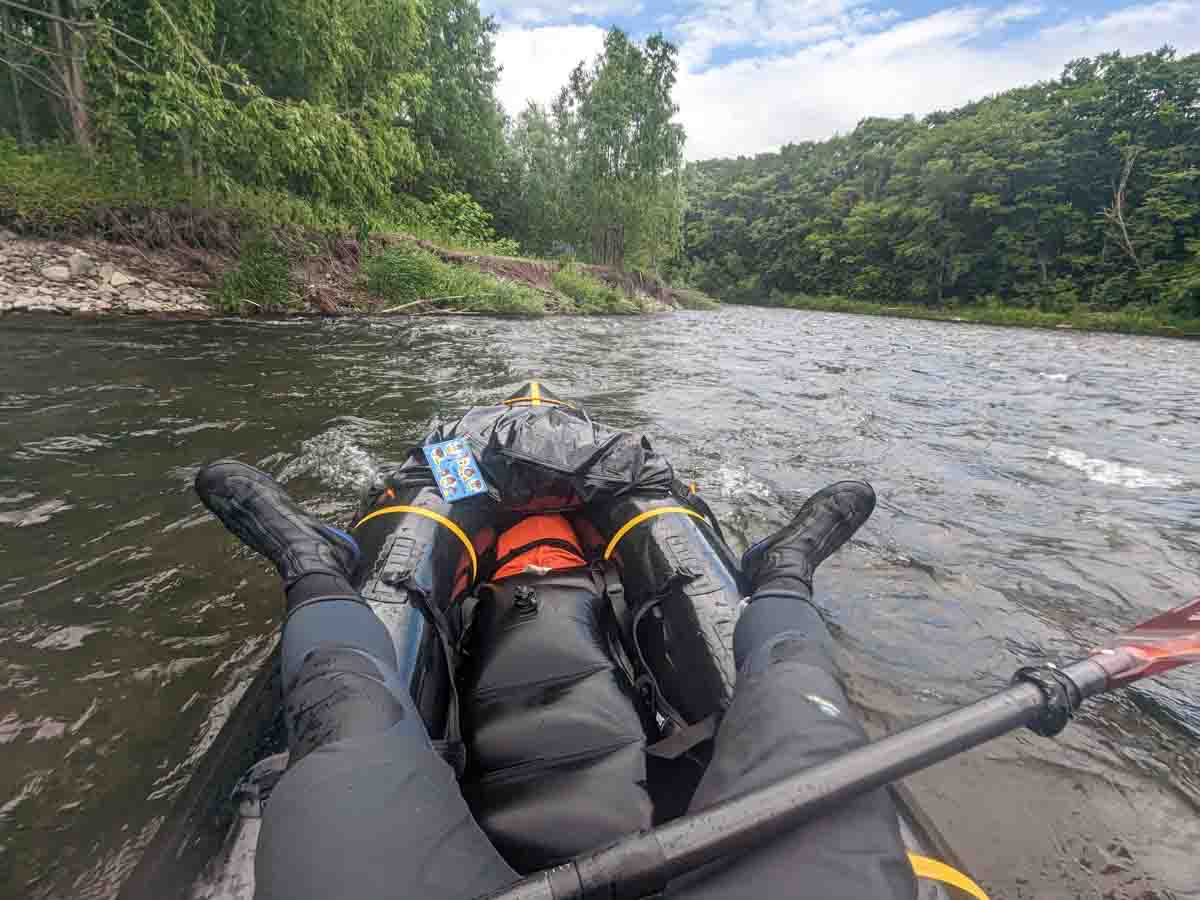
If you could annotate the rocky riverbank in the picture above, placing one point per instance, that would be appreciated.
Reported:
(87, 279)
(91, 277)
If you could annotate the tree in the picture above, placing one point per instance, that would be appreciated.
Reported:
(460, 125)
(600, 171)
(1080, 190)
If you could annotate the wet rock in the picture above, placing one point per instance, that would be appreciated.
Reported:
(1119, 850)
(81, 264)
(46, 276)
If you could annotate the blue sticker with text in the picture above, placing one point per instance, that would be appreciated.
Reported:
(455, 470)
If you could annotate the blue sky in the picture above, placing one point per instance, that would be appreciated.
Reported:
(755, 74)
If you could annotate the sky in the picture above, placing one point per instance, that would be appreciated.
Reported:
(757, 74)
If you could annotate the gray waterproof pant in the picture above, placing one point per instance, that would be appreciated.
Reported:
(369, 811)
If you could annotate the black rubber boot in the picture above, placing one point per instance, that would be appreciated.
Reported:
(258, 510)
(787, 559)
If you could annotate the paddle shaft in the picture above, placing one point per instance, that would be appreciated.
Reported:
(643, 863)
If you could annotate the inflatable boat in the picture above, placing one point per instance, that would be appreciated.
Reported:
(562, 610)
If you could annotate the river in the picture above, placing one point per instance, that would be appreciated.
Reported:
(1037, 489)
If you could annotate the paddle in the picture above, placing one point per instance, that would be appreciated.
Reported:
(1043, 698)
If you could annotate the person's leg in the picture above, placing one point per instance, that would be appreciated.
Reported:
(789, 713)
(367, 809)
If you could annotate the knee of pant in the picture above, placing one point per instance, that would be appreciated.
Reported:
(790, 647)
(340, 693)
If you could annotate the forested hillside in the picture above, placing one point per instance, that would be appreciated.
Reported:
(1080, 191)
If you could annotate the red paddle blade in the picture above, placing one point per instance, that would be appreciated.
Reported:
(1168, 640)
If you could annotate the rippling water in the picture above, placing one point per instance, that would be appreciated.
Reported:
(1037, 490)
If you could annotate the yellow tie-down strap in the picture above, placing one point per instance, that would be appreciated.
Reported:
(437, 517)
(642, 517)
(924, 867)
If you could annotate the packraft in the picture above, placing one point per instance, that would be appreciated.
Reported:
(562, 608)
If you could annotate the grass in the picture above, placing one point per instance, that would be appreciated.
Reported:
(592, 296)
(406, 276)
(1126, 321)
(690, 298)
(262, 279)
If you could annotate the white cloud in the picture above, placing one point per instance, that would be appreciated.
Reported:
(767, 23)
(754, 105)
(537, 12)
(829, 63)
(537, 61)
(1018, 12)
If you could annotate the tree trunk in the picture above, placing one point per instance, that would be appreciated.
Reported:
(69, 68)
(1116, 212)
(18, 104)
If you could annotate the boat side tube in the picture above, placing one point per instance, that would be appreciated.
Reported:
(397, 570)
(682, 593)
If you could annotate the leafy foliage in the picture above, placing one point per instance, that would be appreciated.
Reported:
(459, 127)
(337, 103)
(599, 174)
(57, 191)
(1083, 192)
(592, 296)
(455, 219)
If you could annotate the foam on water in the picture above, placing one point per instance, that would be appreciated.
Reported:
(735, 481)
(335, 457)
(1107, 472)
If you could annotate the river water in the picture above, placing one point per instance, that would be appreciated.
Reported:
(1036, 490)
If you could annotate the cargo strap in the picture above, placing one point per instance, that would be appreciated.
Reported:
(684, 739)
(437, 517)
(932, 869)
(644, 516)
(614, 589)
(451, 747)
(492, 568)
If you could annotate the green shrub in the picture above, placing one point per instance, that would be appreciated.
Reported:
(592, 296)
(405, 274)
(452, 219)
(262, 279)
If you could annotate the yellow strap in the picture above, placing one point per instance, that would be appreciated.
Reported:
(924, 867)
(642, 517)
(437, 517)
(535, 393)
